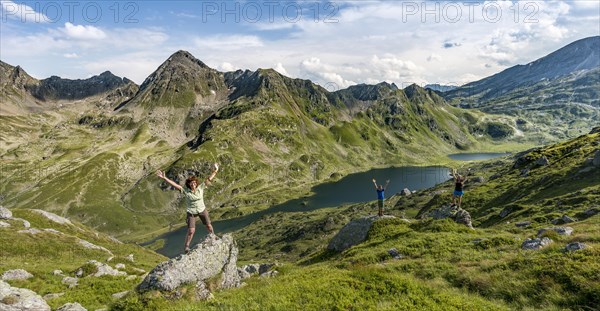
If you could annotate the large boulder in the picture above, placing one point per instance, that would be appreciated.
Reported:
(534, 244)
(214, 256)
(353, 233)
(20, 299)
(575, 246)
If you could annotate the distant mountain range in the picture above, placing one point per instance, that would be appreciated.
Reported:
(440, 88)
(96, 142)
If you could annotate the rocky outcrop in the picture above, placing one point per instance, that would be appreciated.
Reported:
(20, 299)
(16, 274)
(353, 233)
(214, 256)
(405, 192)
(100, 269)
(4, 224)
(534, 244)
(453, 212)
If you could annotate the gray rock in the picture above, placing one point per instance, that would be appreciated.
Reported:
(75, 306)
(52, 296)
(202, 292)
(53, 217)
(542, 161)
(52, 231)
(537, 243)
(20, 299)
(525, 172)
(353, 233)
(57, 272)
(16, 274)
(478, 179)
(30, 231)
(212, 257)
(572, 247)
(104, 269)
(453, 212)
(596, 160)
(4, 224)
(405, 192)
(523, 224)
(265, 267)
(131, 277)
(563, 220)
(89, 245)
(505, 212)
(5, 213)
(329, 224)
(439, 192)
(120, 266)
(120, 295)
(395, 254)
(269, 274)
(590, 212)
(130, 257)
(463, 217)
(71, 281)
(559, 230)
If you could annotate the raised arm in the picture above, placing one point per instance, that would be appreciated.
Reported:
(212, 174)
(387, 182)
(375, 183)
(162, 175)
(454, 174)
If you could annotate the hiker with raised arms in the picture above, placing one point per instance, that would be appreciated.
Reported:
(194, 199)
(380, 195)
(459, 184)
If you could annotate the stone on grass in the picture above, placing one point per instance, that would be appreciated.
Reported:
(71, 306)
(394, 253)
(4, 224)
(542, 161)
(5, 213)
(563, 220)
(120, 295)
(53, 217)
(523, 224)
(16, 274)
(534, 244)
(572, 247)
(71, 281)
(353, 233)
(559, 230)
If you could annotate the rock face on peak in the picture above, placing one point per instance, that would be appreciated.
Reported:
(182, 81)
(57, 88)
(212, 257)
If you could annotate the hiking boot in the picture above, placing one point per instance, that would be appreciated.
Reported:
(187, 250)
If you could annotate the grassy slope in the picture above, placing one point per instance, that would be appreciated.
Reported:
(42, 253)
(442, 267)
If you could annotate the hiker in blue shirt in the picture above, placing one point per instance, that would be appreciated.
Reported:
(380, 195)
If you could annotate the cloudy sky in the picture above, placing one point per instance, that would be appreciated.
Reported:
(333, 43)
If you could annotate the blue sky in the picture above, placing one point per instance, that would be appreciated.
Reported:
(333, 43)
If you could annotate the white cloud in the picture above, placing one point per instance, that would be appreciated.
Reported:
(21, 12)
(225, 66)
(228, 43)
(71, 55)
(82, 32)
(279, 68)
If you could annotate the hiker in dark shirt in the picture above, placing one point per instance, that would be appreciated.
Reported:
(459, 184)
(380, 195)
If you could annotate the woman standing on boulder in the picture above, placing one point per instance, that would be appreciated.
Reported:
(194, 199)
(459, 184)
